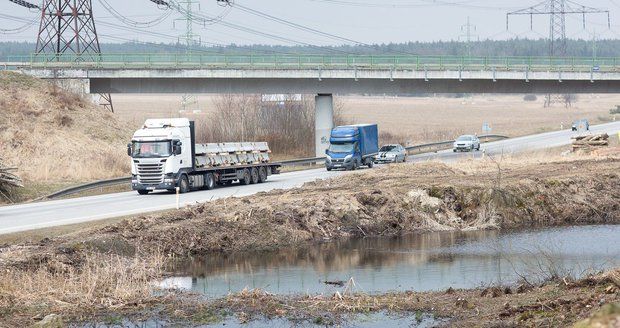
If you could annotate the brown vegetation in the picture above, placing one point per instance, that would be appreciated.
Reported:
(392, 201)
(53, 135)
(287, 124)
(414, 120)
(8, 181)
(409, 120)
(553, 304)
(77, 287)
(109, 269)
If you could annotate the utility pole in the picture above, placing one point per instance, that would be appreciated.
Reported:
(557, 10)
(68, 28)
(191, 39)
(594, 47)
(467, 28)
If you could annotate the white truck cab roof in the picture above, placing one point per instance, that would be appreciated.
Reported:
(163, 129)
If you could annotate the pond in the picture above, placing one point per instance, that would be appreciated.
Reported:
(419, 262)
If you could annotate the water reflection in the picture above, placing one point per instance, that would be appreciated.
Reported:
(371, 320)
(421, 262)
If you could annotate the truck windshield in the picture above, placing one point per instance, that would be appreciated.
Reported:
(142, 149)
(342, 148)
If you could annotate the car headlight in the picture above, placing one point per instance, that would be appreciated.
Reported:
(348, 158)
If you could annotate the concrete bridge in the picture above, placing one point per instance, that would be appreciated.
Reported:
(322, 75)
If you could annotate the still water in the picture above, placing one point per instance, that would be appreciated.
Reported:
(420, 262)
(371, 320)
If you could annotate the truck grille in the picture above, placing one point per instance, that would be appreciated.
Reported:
(150, 173)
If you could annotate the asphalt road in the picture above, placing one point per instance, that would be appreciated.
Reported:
(60, 212)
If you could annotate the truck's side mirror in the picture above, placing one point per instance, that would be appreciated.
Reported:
(326, 151)
(129, 149)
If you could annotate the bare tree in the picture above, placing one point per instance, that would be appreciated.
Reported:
(287, 123)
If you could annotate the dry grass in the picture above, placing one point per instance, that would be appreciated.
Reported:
(52, 135)
(99, 282)
(410, 120)
(417, 120)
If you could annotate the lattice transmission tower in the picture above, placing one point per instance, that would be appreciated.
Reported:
(557, 10)
(68, 28)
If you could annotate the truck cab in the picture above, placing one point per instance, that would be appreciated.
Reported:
(352, 146)
(161, 152)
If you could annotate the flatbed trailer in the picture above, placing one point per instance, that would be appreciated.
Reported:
(166, 157)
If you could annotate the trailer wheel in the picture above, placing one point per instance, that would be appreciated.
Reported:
(254, 174)
(143, 192)
(183, 185)
(247, 179)
(209, 181)
(262, 174)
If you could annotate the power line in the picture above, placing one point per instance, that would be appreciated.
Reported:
(25, 4)
(295, 25)
(126, 20)
(201, 18)
(425, 3)
(304, 28)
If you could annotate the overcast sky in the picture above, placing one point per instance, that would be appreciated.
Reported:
(368, 21)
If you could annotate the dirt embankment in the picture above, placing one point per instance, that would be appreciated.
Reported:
(386, 202)
(109, 270)
(53, 136)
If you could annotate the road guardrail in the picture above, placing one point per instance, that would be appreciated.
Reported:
(294, 61)
(293, 162)
(444, 144)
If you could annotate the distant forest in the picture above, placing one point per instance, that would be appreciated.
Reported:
(513, 47)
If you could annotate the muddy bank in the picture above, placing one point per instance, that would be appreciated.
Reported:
(563, 302)
(558, 303)
(390, 201)
(96, 272)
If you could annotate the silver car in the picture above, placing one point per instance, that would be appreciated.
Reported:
(466, 143)
(393, 153)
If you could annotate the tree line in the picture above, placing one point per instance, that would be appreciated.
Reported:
(512, 47)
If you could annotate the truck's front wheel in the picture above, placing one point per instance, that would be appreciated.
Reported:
(183, 185)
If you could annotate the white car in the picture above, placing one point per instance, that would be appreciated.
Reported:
(394, 153)
(466, 143)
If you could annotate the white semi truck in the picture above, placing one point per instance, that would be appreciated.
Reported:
(165, 156)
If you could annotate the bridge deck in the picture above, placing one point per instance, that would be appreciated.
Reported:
(400, 62)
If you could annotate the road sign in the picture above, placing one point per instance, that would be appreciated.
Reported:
(486, 128)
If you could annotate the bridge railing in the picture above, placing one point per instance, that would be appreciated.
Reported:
(284, 61)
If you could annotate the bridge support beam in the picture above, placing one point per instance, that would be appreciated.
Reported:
(323, 121)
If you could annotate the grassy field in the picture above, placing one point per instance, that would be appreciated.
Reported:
(412, 120)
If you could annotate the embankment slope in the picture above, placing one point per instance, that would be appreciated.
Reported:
(53, 136)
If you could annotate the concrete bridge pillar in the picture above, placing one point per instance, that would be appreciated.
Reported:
(323, 121)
